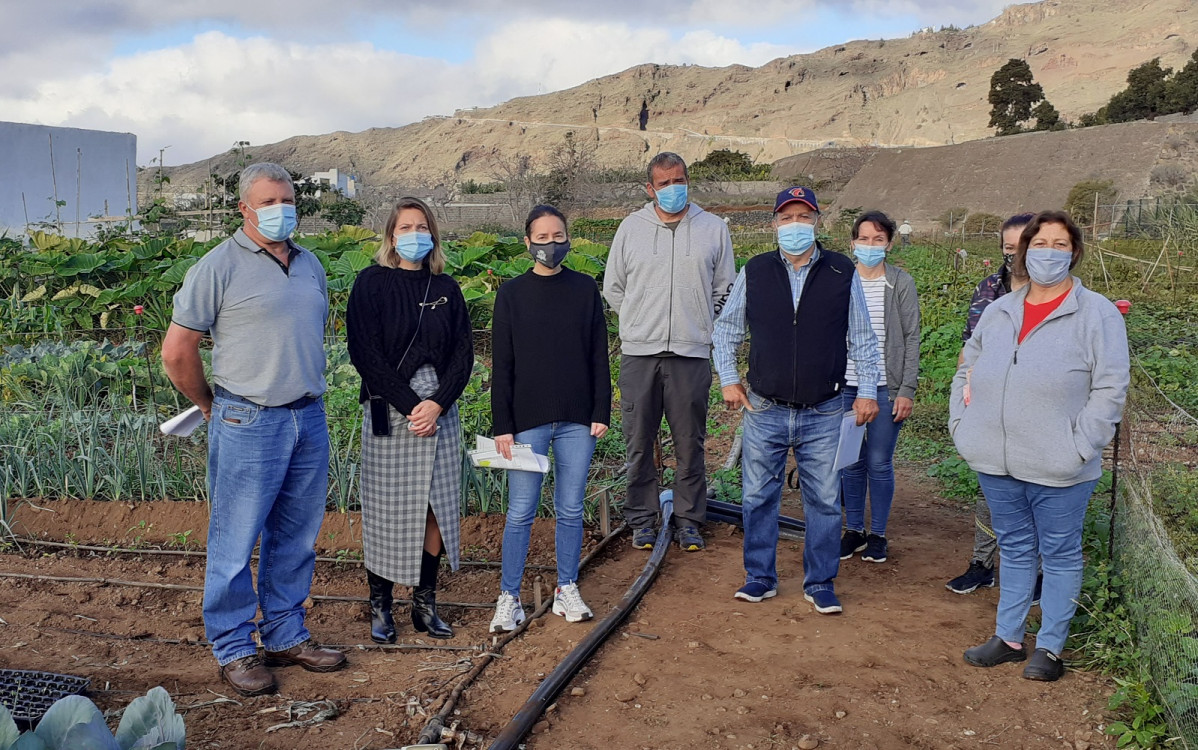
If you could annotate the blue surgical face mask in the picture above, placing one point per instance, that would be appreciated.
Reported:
(276, 222)
(1046, 266)
(671, 198)
(796, 237)
(869, 255)
(413, 246)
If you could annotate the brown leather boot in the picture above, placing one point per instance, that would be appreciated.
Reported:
(248, 676)
(308, 655)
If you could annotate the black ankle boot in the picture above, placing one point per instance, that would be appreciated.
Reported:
(424, 601)
(382, 626)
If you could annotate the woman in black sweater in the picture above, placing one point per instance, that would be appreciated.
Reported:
(550, 386)
(409, 338)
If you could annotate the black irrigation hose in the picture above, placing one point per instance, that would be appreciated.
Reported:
(732, 510)
(784, 532)
(204, 553)
(553, 684)
(432, 729)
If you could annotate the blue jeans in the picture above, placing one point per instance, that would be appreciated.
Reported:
(770, 433)
(874, 471)
(573, 446)
(268, 471)
(1033, 522)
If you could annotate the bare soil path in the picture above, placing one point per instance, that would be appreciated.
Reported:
(720, 673)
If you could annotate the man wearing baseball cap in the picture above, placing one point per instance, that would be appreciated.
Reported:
(798, 305)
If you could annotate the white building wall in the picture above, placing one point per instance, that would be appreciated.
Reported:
(95, 172)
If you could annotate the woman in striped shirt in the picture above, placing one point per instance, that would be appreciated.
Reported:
(894, 314)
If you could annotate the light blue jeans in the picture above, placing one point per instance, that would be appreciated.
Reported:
(875, 471)
(573, 446)
(770, 433)
(1033, 522)
(268, 470)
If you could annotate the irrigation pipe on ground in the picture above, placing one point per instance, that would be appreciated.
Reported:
(553, 684)
(432, 730)
(186, 587)
(204, 553)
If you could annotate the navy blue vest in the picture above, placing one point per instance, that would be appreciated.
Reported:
(799, 355)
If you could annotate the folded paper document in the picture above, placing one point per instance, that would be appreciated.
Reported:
(848, 451)
(183, 424)
(523, 459)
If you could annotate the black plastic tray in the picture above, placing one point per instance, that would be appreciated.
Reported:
(28, 694)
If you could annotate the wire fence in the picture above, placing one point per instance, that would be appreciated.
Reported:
(1155, 539)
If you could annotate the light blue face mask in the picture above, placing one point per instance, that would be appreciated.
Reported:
(1046, 266)
(869, 255)
(413, 246)
(796, 237)
(671, 198)
(276, 222)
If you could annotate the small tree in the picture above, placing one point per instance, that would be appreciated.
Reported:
(1181, 93)
(1013, 93)
(342, 211)
(1144, 97)
(1081, 200)
(1047, 117)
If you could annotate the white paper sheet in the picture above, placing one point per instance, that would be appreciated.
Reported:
(848, 451)
(523, 459)
(183, 424)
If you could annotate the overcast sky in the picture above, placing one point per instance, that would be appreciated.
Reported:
(197, 75)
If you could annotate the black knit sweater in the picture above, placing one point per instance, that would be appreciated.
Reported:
(381, 319)
(549, 343)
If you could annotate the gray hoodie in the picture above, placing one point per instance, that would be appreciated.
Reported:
(668, 286)
(1043, 410)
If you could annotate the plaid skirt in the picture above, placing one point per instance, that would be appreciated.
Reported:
(402, 477)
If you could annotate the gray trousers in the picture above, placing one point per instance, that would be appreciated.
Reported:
(985, 543)
(677, 387)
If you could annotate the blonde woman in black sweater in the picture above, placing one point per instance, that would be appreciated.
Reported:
(550, 387)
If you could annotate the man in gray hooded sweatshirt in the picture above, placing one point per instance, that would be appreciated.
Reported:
(668, 274)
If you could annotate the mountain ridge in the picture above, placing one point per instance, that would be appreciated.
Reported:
(926, 89)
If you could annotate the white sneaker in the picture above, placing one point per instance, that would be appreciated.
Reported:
(568, 603)
(508, 614)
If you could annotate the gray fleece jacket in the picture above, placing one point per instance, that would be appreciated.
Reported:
(667, 285)
(901, 316)
(1043, 410)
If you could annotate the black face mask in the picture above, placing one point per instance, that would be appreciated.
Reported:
(1008, 260)
(549, 254)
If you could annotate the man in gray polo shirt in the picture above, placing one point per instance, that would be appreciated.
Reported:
(263, 299)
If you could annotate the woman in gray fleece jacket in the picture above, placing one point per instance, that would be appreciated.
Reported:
(1033, 404)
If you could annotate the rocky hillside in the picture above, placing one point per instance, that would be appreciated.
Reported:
(927, 89)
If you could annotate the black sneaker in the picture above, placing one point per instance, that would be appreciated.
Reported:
(851, 543)
(1044, 666)
(689, 539)
(978, 575)
(1036, 591)
(644, 538)
(875, 549)
(994, 652)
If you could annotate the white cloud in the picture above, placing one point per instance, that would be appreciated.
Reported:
(304, 74)
(201, 97)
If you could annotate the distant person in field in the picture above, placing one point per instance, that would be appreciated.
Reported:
(980, 573)
(894, 315)
(550, 388)
(408, 334)
(263, 300)
(798, 306)
(904, 231)
(1033, 404)
(668, 275)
